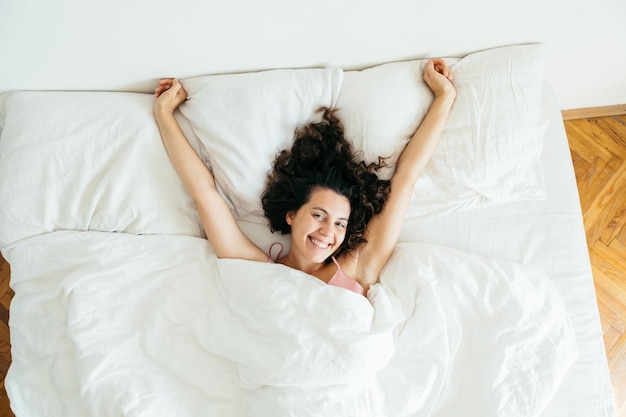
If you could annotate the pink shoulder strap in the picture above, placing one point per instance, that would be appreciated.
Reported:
(280, 251)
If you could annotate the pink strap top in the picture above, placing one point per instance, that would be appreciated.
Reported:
(343, 280)
(340, 279)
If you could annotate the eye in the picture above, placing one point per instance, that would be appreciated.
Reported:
(318, 216)
(341, 225)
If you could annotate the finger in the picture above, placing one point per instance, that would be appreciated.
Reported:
(164, 85)
(445, 71)
(439, 63)
(179, 89)
(160, 90)
(441, 69)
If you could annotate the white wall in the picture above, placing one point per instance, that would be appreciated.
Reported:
(127, 44)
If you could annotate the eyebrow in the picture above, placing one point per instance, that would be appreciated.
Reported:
(326, 212)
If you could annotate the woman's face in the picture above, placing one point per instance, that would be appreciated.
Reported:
(319, 227)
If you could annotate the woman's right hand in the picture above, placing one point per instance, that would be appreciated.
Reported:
(438, 76)
(169, 95)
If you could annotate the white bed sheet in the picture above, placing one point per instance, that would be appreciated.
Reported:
(547, 235)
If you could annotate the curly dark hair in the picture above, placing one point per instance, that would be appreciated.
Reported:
(322, 158)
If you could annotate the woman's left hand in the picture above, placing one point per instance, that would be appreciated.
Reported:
(438, 76)
(169, 94)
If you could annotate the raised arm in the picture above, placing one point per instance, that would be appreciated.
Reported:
(226, 238)
(384, 229)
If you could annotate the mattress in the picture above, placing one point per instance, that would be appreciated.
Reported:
(116, 323)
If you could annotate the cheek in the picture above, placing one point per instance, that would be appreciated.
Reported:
(301, 225)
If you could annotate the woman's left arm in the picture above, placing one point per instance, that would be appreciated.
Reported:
(383, 230)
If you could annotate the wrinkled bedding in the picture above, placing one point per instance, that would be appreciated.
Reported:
(155, 325)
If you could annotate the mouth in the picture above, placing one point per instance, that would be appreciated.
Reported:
(319, 243)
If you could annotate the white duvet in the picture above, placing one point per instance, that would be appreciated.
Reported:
(110, 324)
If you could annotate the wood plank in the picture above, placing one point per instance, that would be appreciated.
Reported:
(613, 138)
(5, 300)
(614, 227)
(590, 112)
(4, 319)
(593, 178)
(607, 271)
(5, 408)
(5, 356)
(612, 311)
(587, 140)
(608, 202)
(617, 353)
(619, 248)
(618, 379)
(611, 337)
(621, 237)
(5, 274)
(4, 286)
(610, 286)
(581, 168)
(610, 259)
(5, 347)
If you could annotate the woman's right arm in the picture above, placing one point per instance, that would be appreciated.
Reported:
(220, 226)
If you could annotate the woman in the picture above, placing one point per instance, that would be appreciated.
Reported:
(324, 240)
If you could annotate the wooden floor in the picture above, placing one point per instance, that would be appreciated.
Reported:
(598, 148)
(6, 294)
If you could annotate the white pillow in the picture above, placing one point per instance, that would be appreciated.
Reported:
(87, 161)
(490, 148)
(95, 160)
(244, 120)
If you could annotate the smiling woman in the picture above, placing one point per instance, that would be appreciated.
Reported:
(343, 220)
(321, 158)
(324, 196)
(318, 229)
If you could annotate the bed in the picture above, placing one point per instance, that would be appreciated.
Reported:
(487, 307)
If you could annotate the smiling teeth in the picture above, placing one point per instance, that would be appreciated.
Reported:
(319, 243)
